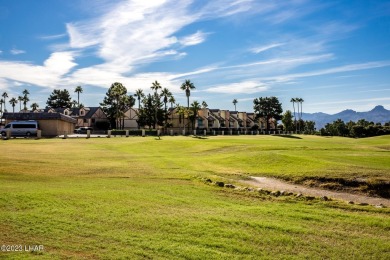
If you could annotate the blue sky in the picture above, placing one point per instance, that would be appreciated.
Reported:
(333, 54)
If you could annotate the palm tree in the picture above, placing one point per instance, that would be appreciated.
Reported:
(156, 86)
(34, 106)
(20, 99)
(13, 102)
(293, 100)
(166, 94)
(1, 105)
(183, 112)
(187, 86)
(235, 103)
(195, 107)
(78, 90)
(299, 101)
(25, 98)
(139, 94)
(4, 95)
(172, 101)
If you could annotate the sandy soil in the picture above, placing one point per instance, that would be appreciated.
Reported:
(275, 184)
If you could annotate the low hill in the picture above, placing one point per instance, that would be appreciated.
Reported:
(378, 115)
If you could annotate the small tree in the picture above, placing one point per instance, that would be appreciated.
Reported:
(59, 99)
(287, 121)
(235, 103)
(268, 108)
(13, 101)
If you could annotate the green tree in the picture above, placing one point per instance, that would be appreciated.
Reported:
(195, 107)
(147, 113)
(78, 90)
(25, 98)
(235, 103)
(20, 100)
(5, 96)
(183, 113)
(293, 100)
(139, 93)
(310, 127)
(59, 99)
(13, 101)
(156, 86)
(34, 106)
(287, 121)
(114, 104)
(1, 105)
(166, 94)
(268, 108)
(187, 86)
(204, 104)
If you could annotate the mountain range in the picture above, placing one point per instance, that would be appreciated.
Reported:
(377, 115)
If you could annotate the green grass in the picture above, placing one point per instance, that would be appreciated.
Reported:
(142, 198)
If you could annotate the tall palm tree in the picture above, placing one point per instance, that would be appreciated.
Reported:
(293, 100)
(187, 86)
(34, 106)
(156, 86)
(1, 105)
(20, 99)
(78, 90)
(13, 102)
(25, 98)
(235, 103)
(172, 101)
(299, 101)
(195, 107)
(165, 94)
(4, 95)
(139, 94)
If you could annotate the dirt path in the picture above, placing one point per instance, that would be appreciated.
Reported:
(275, 184)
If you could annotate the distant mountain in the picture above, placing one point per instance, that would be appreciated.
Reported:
(377, 115)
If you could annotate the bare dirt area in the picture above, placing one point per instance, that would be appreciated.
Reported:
(275, 184)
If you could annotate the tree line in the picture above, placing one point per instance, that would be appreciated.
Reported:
(361, 128)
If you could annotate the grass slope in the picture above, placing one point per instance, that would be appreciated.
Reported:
(141, 198)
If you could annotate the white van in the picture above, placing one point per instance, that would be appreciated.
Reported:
(21, 128)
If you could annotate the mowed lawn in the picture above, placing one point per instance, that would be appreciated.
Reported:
(141, 198)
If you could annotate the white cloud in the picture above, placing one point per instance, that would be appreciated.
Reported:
(340, 69)
(259, 49)
(48, 75)
(193, 39)
(15, 51)
(247, 87)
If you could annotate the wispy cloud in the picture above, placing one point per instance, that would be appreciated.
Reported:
(247, 87)
(260, 49)
(340, 69)
(15, 51)
(54, 37)
(193, 39)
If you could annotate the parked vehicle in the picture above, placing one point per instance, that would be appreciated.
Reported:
(83, 130)
(21, 128)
